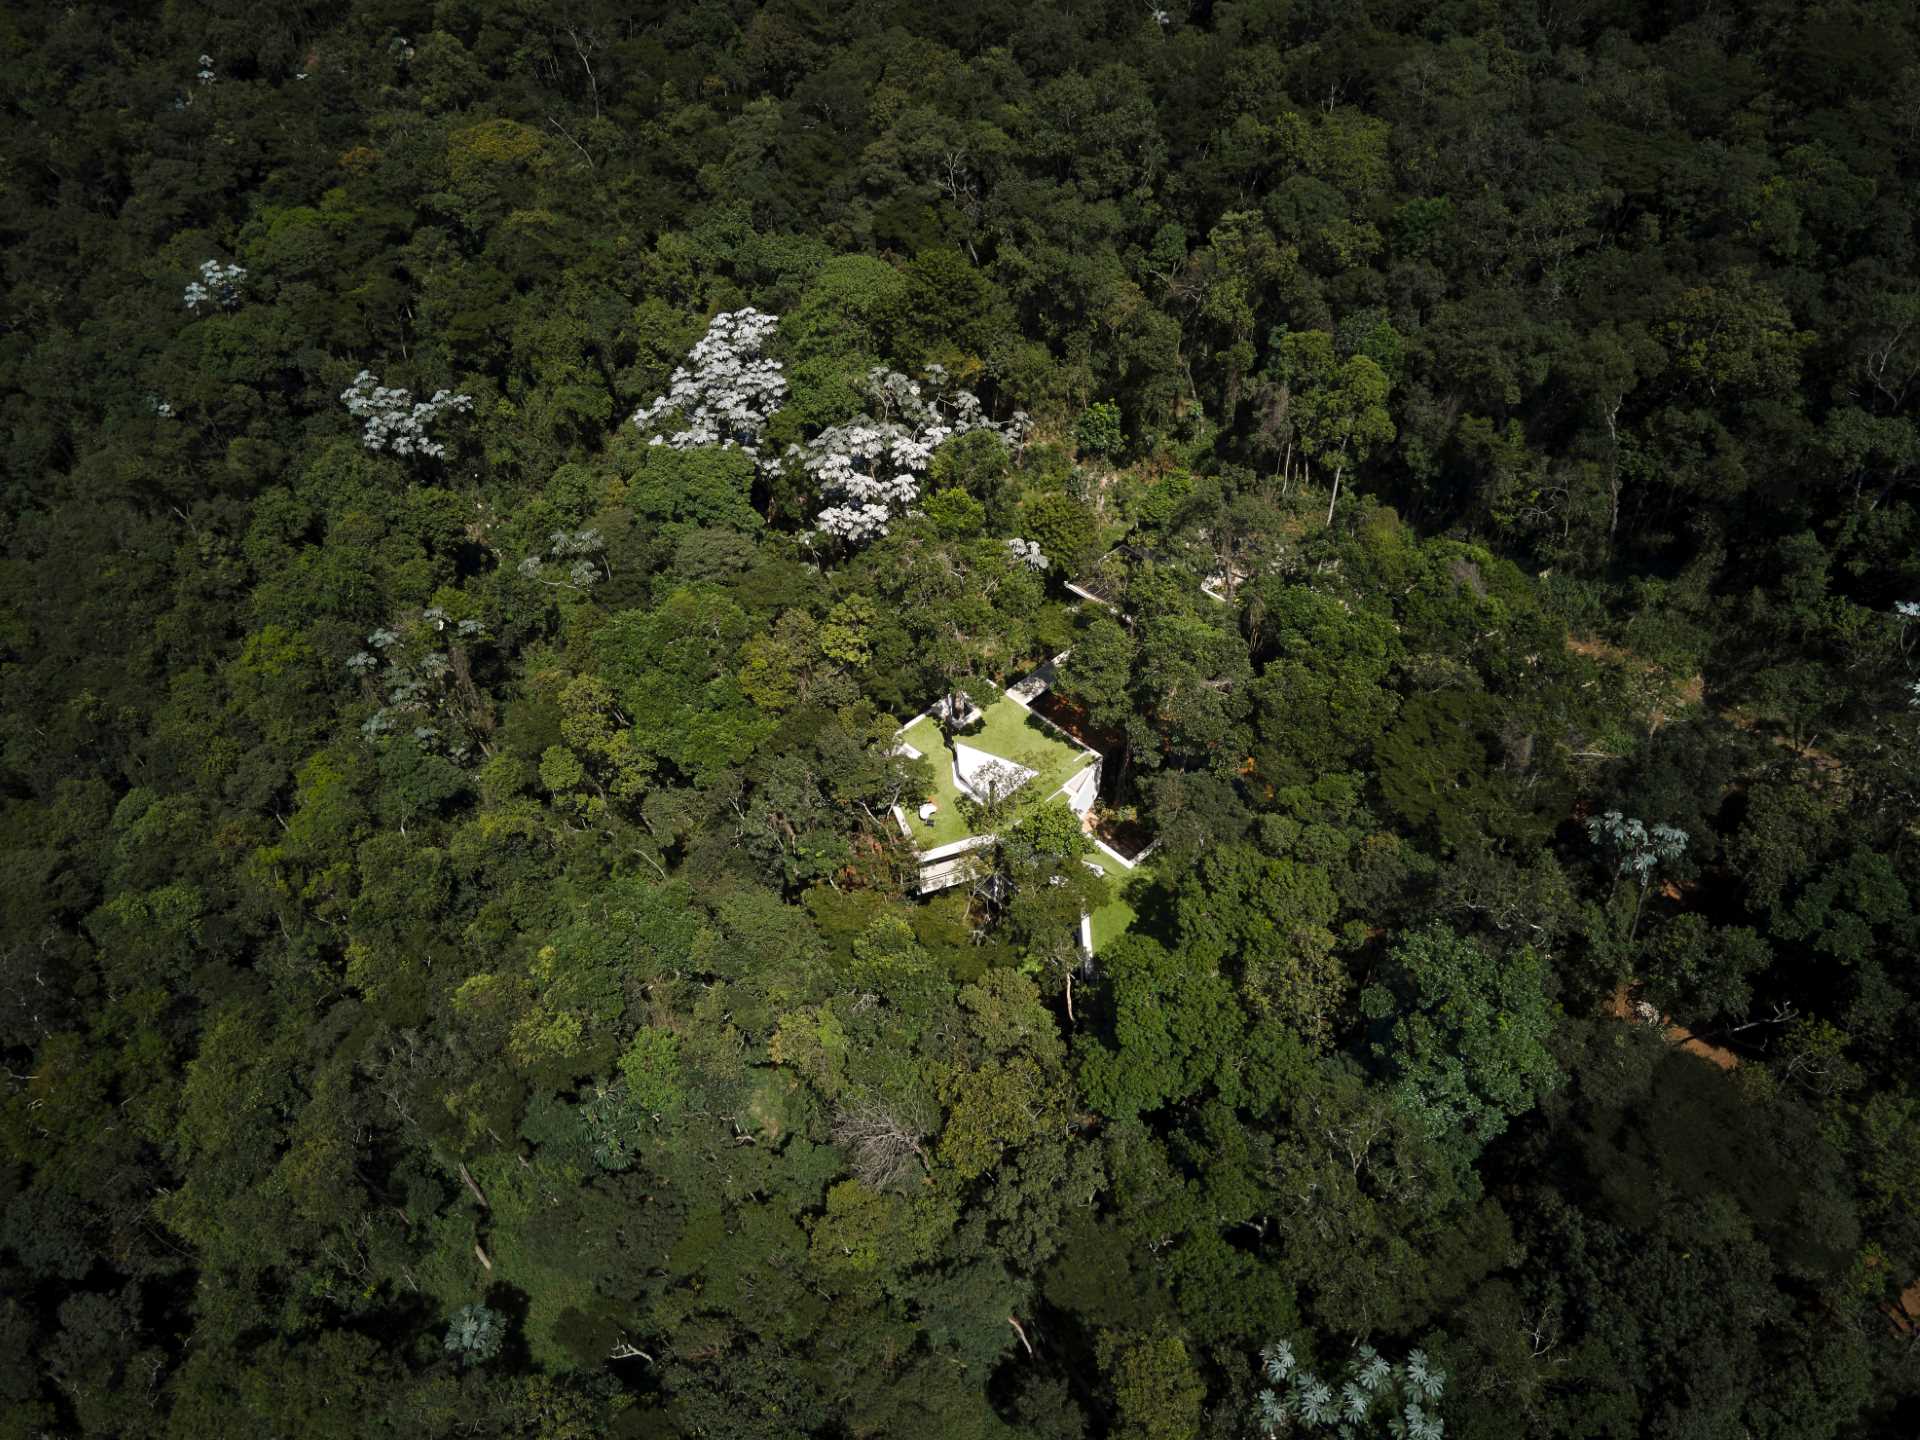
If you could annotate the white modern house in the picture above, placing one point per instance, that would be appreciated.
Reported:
(1001, 751)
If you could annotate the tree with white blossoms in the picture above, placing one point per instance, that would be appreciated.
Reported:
(475, 1334)
(394, 420)
(726, 391)
(1371, 1397)
(218, 282)
(1909, 613)
(1639, 849)
(570, 562)
(873, 467)
(870, 469)
(1028, 553)
(420, 678)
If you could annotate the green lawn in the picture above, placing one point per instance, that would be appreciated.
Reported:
(1116, 917)
(1022, 737)
(924, 735)
(1006, 730)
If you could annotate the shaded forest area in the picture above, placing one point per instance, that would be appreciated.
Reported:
(485, 480)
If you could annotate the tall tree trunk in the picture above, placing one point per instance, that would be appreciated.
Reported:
(1613, 472)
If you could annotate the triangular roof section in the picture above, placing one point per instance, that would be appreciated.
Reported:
(974, 767)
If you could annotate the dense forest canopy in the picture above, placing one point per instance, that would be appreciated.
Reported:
(486, 482)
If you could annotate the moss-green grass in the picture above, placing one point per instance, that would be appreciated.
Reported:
(1116, 917)
(924, 735)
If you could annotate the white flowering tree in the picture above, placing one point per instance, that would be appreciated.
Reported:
(726, 391)
(219, 284)
(1638, 849)
(475, 1334)
(1029, 554)
(869, 470)
(419, 678)
(392, 420)
(1371, 1396)
(872, 469)
(575, 560)
(1908, 613)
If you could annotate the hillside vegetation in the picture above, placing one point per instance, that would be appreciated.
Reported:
(483, 482)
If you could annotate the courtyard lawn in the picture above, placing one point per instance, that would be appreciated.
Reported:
(1014, 733)
(948, 826)
(1116, 917)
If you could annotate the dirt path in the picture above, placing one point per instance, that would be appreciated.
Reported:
(1624, 1007)
(1662, 694)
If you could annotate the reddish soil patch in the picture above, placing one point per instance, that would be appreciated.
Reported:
(1597, 650)
(1072, 718)
(1903, 1314)
(1693, 1045)
(1128, 836)
(1622, 1007)
(1672, 696)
